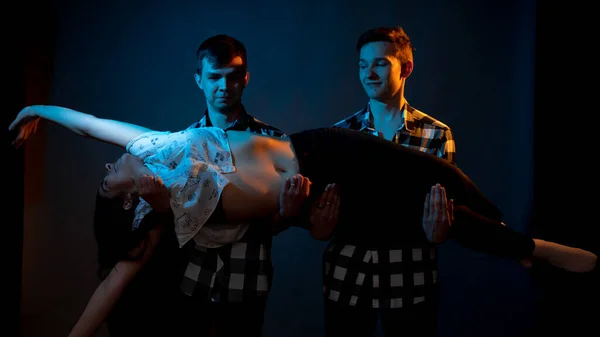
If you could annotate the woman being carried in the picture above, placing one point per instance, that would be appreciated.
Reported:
(242, 175)
(245, 172)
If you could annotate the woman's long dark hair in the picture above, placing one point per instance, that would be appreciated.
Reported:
(113, 234)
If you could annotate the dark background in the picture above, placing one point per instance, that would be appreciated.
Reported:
(505, 75)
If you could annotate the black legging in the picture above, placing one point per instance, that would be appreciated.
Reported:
(383, 188)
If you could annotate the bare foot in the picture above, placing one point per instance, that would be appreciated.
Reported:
(569, 258)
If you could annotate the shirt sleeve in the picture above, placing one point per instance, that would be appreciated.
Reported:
(150, 143)
(448, 148)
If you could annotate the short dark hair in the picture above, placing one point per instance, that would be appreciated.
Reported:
(220, 49)
(395, 35)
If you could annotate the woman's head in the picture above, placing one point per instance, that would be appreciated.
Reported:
(119, 180)
(116, 201)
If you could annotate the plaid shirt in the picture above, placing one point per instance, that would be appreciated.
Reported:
(398, 276)
(240, 271)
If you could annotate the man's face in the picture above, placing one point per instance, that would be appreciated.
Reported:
(380, 71)
(223, 86)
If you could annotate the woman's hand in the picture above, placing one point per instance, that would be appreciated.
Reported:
(26, 122)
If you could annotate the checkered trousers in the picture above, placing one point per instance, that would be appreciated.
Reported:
(238, 272)
(383, 278)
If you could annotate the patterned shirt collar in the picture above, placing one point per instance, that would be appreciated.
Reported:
(365, 117)
(240, 124)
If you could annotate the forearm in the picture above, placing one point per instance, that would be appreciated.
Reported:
(103, 300)
(110, 290)
(89, 126)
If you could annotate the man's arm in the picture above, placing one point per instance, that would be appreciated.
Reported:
(448, 148)
(86, 125)
(438, 211)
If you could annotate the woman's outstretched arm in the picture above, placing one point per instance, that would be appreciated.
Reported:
(86, 125)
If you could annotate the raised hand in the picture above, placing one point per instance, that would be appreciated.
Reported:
(26, 122)
(293, 193)
(325, 212)
(438, 214)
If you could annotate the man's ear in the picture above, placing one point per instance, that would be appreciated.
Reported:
(246, 79)
(407, 68)
(127, 201)
(198, 80)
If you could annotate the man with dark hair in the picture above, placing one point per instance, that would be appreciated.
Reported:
(226, 287)
(365, 279)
